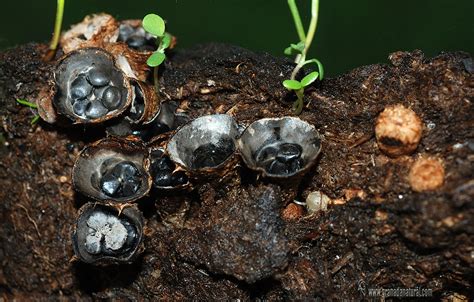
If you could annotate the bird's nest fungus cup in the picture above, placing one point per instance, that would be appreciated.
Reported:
(206, 145)
(280, 147)
(113, 169)
(104, 234)
(145, 105)
(132, 33)
(90, 88)
(165, 173)
(162, 122)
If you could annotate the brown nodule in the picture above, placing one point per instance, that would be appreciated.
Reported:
(426, 174)
(292, 212)
(398, 130)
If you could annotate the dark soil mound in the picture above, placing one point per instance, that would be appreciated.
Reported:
(212, 243)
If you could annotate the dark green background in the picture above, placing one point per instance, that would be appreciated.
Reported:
(350, 33)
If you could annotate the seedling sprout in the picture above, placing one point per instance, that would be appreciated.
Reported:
(155, 25)
(300, 49)
(32, 106)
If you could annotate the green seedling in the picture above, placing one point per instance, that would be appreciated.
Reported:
(35, 119)
(155, 25)
(300, 49)
(57, 31)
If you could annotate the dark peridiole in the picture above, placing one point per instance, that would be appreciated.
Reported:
(212, 155)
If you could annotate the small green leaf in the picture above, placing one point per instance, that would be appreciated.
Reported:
(26, 103)
(156, 59)
(166, 41)
(294, 49)
(299, 47)
(154, 24)
(35, 119)
(310, 78)
(292, 84)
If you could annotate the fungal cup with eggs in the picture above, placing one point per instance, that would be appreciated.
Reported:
(279, 147)
(102, 232)
(112, 169)
(163, 171)
(162, 122)
(205, 143)
(132, 33)
(90, 87)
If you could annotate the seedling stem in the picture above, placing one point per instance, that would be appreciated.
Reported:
(301, 50)
(155, 25)
(296, 17)
(57, 25)
(57, 31)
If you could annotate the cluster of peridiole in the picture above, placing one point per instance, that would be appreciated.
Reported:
(123, 170)
(102, 78)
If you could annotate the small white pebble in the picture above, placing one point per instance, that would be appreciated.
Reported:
(317, 201)
(458, 146)
(431, 125)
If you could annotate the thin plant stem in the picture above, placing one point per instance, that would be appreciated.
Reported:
(57, 31)
(296, 17)
(298, 104)
(309, 38)
(155, 69)
(312, 25)
(57, 25)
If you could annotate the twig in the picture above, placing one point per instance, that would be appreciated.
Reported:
(347, 257)
(30, 219)
(361, 140)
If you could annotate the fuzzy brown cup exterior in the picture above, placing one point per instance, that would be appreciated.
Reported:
(398, 130)
(426, 174)
(151, 103)
(131, 62)
(94, 31)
